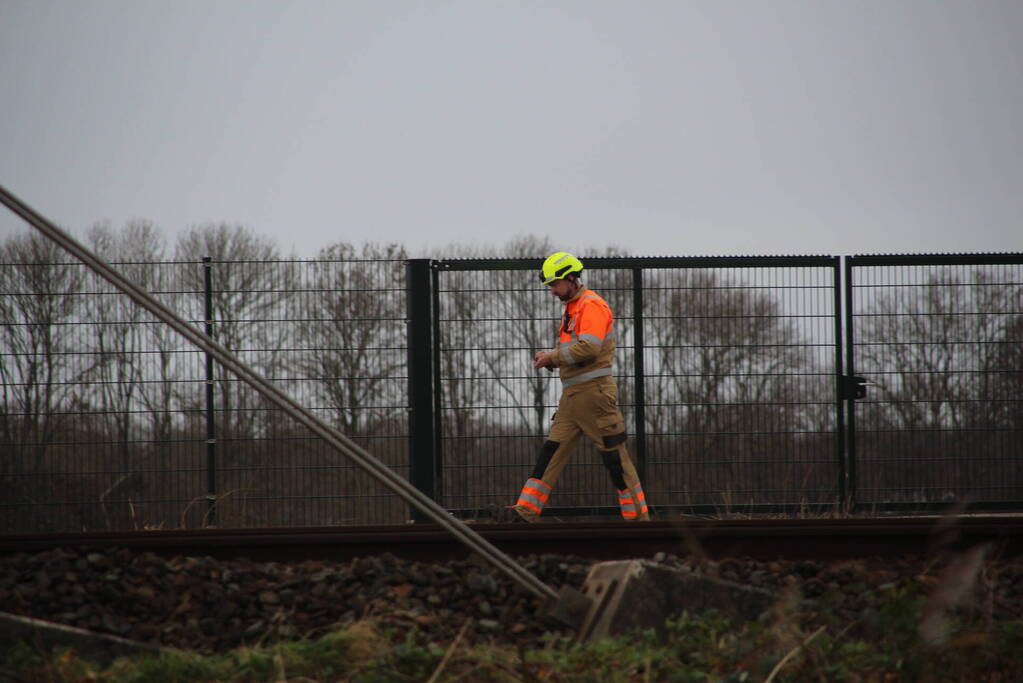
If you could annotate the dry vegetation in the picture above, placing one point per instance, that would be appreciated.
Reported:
(954, 617)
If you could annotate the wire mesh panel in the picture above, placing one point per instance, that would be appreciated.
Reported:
(740, 386)
(940, 339)
(330, 334)
(96, 428)
(494, 407)
(112, 421)
(731, 403)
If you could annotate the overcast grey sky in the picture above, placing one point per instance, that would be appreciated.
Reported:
(684, 127)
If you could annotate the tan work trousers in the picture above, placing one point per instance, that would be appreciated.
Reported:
(589, 408)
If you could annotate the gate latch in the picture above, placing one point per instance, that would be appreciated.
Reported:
(853, 387)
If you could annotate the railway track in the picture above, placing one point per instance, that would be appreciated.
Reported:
(600, 540)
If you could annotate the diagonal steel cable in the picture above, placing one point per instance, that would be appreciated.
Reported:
(333, 437)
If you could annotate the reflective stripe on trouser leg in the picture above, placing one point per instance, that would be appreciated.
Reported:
(631, 498)
(632, 484)
(534, 495)
(633, 502)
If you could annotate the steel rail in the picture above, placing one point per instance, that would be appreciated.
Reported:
(766, 539)
(333, 437)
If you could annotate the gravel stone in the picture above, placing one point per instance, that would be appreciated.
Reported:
(210, 605)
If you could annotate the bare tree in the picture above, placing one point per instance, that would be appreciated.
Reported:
(491, 323)
(942, 356)
(722, 350)
(348, 330)
(39, 305)
(720, 383)
(162, 395)
(931, 351)
(249, 297)
(120, 338)
(465, 351)
(1004, 378)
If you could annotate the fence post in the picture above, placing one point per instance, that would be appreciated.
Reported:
(438, 457)
(211, 424)
(850, 401)
(421, 409)
(640, 371)
(840, 427)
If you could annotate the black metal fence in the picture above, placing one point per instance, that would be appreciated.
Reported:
(736, 376)
(940, 339)
(110, 421)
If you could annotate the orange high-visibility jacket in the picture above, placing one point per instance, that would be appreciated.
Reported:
(586, 343)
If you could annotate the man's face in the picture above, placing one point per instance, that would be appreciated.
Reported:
(563, 289)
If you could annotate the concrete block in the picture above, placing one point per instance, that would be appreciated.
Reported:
(631, 595)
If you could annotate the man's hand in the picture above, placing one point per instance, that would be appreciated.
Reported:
(542, 359)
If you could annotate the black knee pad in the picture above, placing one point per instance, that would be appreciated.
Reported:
(613, 463)
(544, 459)
(614, 439)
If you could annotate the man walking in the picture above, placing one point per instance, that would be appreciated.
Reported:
(589, 399)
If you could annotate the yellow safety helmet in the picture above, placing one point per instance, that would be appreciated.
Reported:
(558, 265)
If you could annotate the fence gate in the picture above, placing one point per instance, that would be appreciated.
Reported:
(729, 371)
(939, 340)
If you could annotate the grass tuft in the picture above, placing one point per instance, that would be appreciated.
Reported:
(799, 641)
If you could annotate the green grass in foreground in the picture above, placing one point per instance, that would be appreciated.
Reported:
(888, 643)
